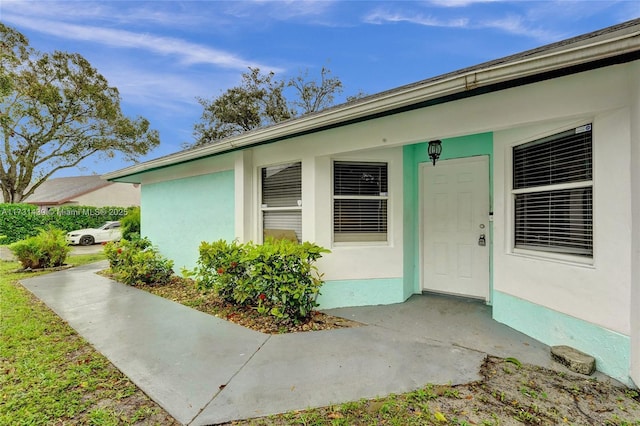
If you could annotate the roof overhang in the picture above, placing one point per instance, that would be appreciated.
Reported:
(585, 53)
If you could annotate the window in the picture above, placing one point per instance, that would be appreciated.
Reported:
(553, 193)
(282, 201)
(360, 195)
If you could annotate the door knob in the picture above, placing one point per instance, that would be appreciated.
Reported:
(482, 241)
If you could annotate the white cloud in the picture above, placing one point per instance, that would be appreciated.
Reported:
(512, 24)
(188, 53)
(156, 13)
(280, 9)
(381, 16)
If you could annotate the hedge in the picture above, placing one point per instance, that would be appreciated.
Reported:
(20, 221)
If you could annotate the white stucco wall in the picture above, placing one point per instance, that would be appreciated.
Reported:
(598, 290)
(634, 84)
(347, 261)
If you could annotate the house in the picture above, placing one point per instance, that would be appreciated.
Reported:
(84, 191)
(533, 205)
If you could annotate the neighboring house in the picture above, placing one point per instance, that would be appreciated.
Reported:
(84, 191)
(533, 205)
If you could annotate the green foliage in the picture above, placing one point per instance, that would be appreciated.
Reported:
(136, 262)
(131, 224)
(277, 277)
(57, 110)
(19, 221)
(48, 249)
(261, 100)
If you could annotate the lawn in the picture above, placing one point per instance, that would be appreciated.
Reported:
(51, 376)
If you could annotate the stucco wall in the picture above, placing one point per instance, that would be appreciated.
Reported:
(584, 304)
(178, 214)
(355, 273)
(598, 290)
(634, 82)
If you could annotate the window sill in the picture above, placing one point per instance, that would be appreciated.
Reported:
(359, 244)
(585, 262)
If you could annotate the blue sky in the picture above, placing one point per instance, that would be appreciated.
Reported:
(162, 55)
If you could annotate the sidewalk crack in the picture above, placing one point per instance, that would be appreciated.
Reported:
(223, 386)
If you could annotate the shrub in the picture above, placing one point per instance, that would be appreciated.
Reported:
(20, 221)
(137, 262)
(48, 249)
(131, 224)
(277, 277)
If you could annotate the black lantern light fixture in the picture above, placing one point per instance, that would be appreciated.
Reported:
(434, 150)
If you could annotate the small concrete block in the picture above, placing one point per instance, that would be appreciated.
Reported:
(573, 359)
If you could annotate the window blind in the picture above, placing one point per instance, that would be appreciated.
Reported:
(562, 158)
(355, 178)
(282, 185)
(281, 198)
(360, 201)
(558, 219)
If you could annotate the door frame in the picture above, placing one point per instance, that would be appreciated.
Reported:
(421, 222)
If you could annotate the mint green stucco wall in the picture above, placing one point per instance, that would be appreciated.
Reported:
(178, 214)
(610, 349)
(413, 156)
(340, 293)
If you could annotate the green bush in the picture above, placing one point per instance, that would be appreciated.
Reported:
(137, 262)
(20, 221)
(277, 277)
(48, 249)
(131, 224)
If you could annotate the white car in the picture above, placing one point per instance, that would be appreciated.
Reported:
(110, 231)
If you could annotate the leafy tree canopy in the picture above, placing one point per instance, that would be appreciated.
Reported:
(260, 101)
(55, 111)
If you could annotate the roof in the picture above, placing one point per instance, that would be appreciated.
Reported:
(616, 44)
(62, 190)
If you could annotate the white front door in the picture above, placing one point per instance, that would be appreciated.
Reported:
(455, 227)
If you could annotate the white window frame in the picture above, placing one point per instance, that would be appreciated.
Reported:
(550, 252)
(383, 197)
(264, 208)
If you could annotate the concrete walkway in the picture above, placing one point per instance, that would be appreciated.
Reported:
(204, 370)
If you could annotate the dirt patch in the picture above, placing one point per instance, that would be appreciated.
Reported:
(185, 292)
(509, 394)
(535, 395)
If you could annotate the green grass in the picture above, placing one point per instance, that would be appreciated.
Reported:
(49, 374)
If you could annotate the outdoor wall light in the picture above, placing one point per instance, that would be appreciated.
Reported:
(434, 150)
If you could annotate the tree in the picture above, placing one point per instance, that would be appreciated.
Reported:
(312, 96)
(260, 101)
(55, 111)
(257, 102)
